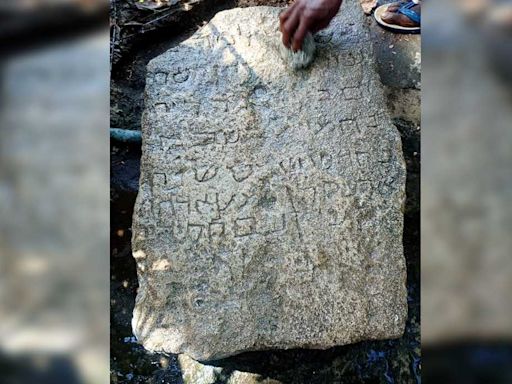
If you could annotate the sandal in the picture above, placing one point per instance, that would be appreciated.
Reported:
(406, 19)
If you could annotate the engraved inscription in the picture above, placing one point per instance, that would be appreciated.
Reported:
(241, 172)
(205, 173)
(262, 187)
(180, 77)
(353, 93)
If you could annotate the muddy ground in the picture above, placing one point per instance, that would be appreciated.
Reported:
(393, 361)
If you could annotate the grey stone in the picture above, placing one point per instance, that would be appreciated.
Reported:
(269, 213)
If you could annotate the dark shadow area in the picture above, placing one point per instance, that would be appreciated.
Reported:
(133, 30)
(366, 362)
(22, 30)
(40, 369)
(468, 363)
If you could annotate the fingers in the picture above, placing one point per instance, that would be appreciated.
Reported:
(289, 27)
(283, 16)
(286, 13)
(300, 34)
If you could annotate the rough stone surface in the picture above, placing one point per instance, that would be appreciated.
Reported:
(269, 212)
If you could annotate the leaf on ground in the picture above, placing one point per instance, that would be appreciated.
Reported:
(368, 5)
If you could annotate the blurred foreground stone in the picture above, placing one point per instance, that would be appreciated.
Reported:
(53, 215)
(467, 183)
(269, 212)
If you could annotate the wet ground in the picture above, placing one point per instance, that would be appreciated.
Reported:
(393, 361)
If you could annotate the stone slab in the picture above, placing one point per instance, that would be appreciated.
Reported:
(269, 213)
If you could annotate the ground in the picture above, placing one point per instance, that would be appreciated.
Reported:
(367, 362)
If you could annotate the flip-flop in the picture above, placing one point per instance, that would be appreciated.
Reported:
(403, 10)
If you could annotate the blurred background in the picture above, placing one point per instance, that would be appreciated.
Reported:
(54, 81)
(467, 191)
(54, 188)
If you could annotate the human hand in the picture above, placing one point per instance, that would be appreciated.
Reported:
(305, 16)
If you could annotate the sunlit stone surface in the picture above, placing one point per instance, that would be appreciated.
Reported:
(269, 213)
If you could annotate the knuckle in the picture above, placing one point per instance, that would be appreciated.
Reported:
(308, 14)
